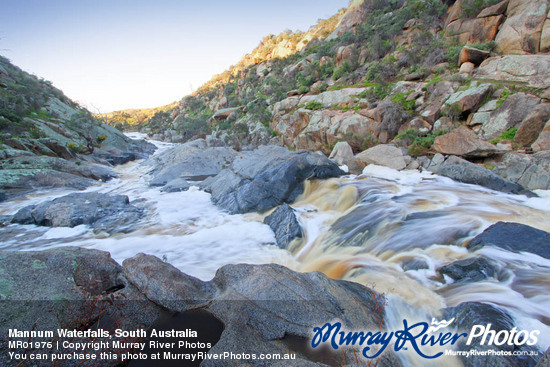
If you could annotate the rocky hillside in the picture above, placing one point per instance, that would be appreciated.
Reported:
(47, 140)
(466, 78)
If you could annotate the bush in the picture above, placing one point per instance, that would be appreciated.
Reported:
(509, 134)
(303, 89)
(401, 100)
(314, 105)
(341, 71)
(100, 139)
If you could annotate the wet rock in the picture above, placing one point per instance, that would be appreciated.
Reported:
(383, 155)
(469, 270)
(284, 224)
(176, 185)
(514, 237)
(269, 176)
(414, 264)
(3, 196)
(463, 171)
(464, 142)
(110, 213)
(469, 314)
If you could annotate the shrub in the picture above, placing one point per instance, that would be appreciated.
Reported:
(100, 139)
(401, 100)
(314, 105)
(341, 71)
(303, 89)
(509, 134)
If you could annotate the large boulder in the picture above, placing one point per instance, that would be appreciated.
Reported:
(531, 69)
(264, 308)
(267, 177)
(68, 288)
(110, 213)
(469, 100)
(543, 141)
(514, 237)
(531, 171)
(193, 161)
(532, 125)
(284, 224)
(384, 155)
(511, 114)
(463, 171)
(465, 143)
(521, 32)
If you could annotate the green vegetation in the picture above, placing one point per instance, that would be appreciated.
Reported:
(471, 8)
(418, 145)
(314, 105)
(401, 100)
(507, 135)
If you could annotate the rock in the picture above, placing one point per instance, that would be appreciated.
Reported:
(68, 288)
(531, 69)
(467, 68)
(223, 114)
(478, 118)
(545, 360)
(176, 185)
(333, 97)
(465, 143)
(463, 171)
(421, 126)
(467, 315)
(284, 224)
(529, 171)
(475, 30)
(414, 264)
(514, 237)
(511, 114)
(192, 161)
(383, 155)
(472, 55)
(521, 32)
(110, 213)
(341, 153)
(468, 101)
(532, 125)
(543, 141)
(496, 9)
(344, 54)
(472, 269)
(3, 197)
(267, 177)
(260, 305)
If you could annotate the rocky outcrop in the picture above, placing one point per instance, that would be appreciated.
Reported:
(103, 212)
(267, 177)
(284, 224)
(261, 306)
(463, 171)
(529, 171)
(465, 143)
(384, 155)
(514, 237)
(469, 100)
(531, 69)
(521, 32)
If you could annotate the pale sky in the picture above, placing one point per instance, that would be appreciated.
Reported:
(116, 54)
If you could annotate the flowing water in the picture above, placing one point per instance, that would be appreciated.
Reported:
(364, 228)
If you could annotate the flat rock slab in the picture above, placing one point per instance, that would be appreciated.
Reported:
(110, 213)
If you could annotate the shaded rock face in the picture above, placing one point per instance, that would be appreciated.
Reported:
(463, 171)
(531, 127)
(469, 314)
(267, 177)
(463, 142)
(68, 288)
(110, 213)
(284, 224)
(261, 306)
(514, 237)
(543, 141)
(193, 161)
(469, 270)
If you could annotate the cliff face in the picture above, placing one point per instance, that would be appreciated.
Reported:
(48, 140)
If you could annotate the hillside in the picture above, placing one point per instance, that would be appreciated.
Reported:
(47, 140)
(402, 72)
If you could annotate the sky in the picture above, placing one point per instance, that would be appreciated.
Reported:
(116, 54)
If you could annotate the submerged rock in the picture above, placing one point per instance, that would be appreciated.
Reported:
(284, 224)
(110, 213)
(469, 270)
(514, 237)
